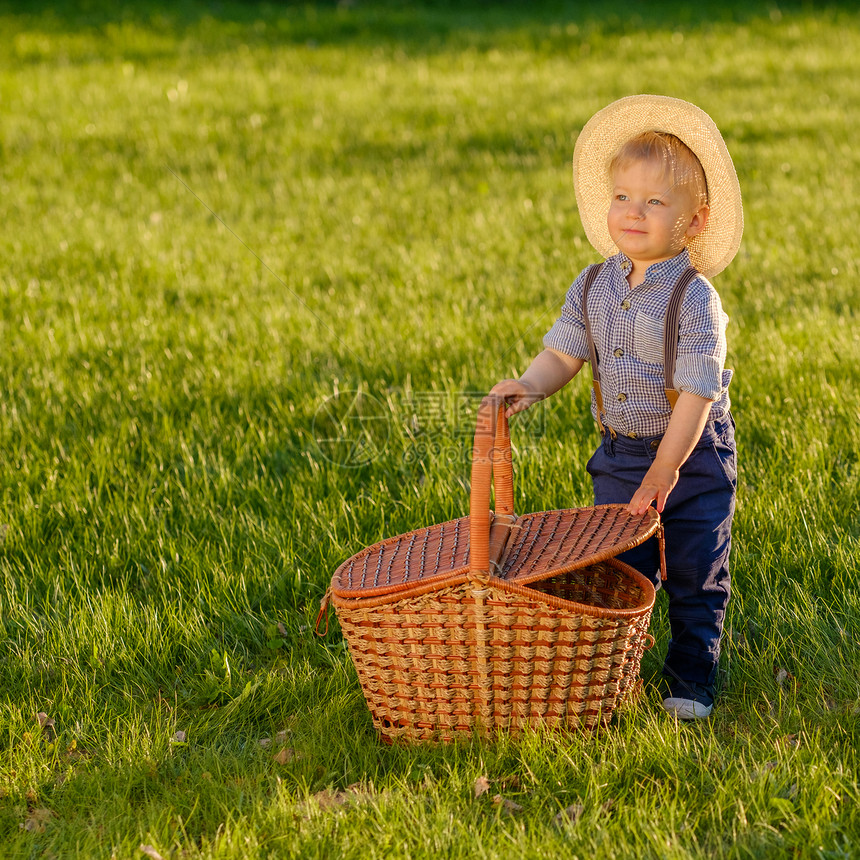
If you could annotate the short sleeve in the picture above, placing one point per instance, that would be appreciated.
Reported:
(567, 334)
(701, 342)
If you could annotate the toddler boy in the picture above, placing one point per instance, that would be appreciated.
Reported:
(659, 198)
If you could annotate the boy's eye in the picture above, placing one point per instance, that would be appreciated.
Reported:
(620, 196)
(655, 201)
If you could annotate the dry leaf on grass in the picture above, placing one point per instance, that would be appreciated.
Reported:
(508, 806)
(280, 738)
(285, 756)
(783, 675)
(329, 799)
(790, 792)
(482, 786)
(765, 769)
(47, 725)
(36, 820)
(151, 852)
(74, 752)
(571, 814)
(737, 638)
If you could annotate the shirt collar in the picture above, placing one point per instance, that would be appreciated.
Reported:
(666, 271)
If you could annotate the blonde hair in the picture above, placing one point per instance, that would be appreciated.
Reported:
(680, 164)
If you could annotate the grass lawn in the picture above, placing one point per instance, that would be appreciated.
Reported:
(227, 224)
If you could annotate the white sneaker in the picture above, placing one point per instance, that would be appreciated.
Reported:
(687, 709)
(688, 700)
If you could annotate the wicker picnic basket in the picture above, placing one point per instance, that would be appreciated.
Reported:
(493, 621)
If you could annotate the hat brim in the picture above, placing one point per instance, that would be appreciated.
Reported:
(603, 136)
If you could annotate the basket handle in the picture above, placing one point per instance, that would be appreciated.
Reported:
(491, 461)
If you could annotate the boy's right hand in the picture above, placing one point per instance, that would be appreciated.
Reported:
(518, 395)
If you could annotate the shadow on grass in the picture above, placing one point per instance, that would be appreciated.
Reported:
(422, 28)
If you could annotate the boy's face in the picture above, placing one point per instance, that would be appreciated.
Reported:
(650, 219)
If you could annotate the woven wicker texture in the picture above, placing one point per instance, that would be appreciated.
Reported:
(554, 541)
(424, 555)
(467, 658)
(447, 638)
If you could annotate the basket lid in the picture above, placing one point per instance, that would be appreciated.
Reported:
(539, 546)
(547, 543)
(422, 556)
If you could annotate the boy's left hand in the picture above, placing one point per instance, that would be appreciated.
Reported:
(684, 431)
(658, 482)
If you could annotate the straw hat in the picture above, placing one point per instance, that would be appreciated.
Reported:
(604, 134)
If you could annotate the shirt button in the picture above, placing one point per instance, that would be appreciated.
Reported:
(625, 305)
(618, 352)
(621, 398)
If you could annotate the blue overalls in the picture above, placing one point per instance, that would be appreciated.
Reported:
(697, 521)
(697, 518)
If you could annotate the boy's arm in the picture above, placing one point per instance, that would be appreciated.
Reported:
(685, 429)
(550, 371)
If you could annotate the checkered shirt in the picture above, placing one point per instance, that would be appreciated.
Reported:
(627, 326)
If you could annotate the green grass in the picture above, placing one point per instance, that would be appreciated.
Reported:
(216, 219)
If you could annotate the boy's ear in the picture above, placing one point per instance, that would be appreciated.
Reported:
(698, 221)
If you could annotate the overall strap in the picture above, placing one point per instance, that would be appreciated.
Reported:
(671, 333)
(590, 277)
